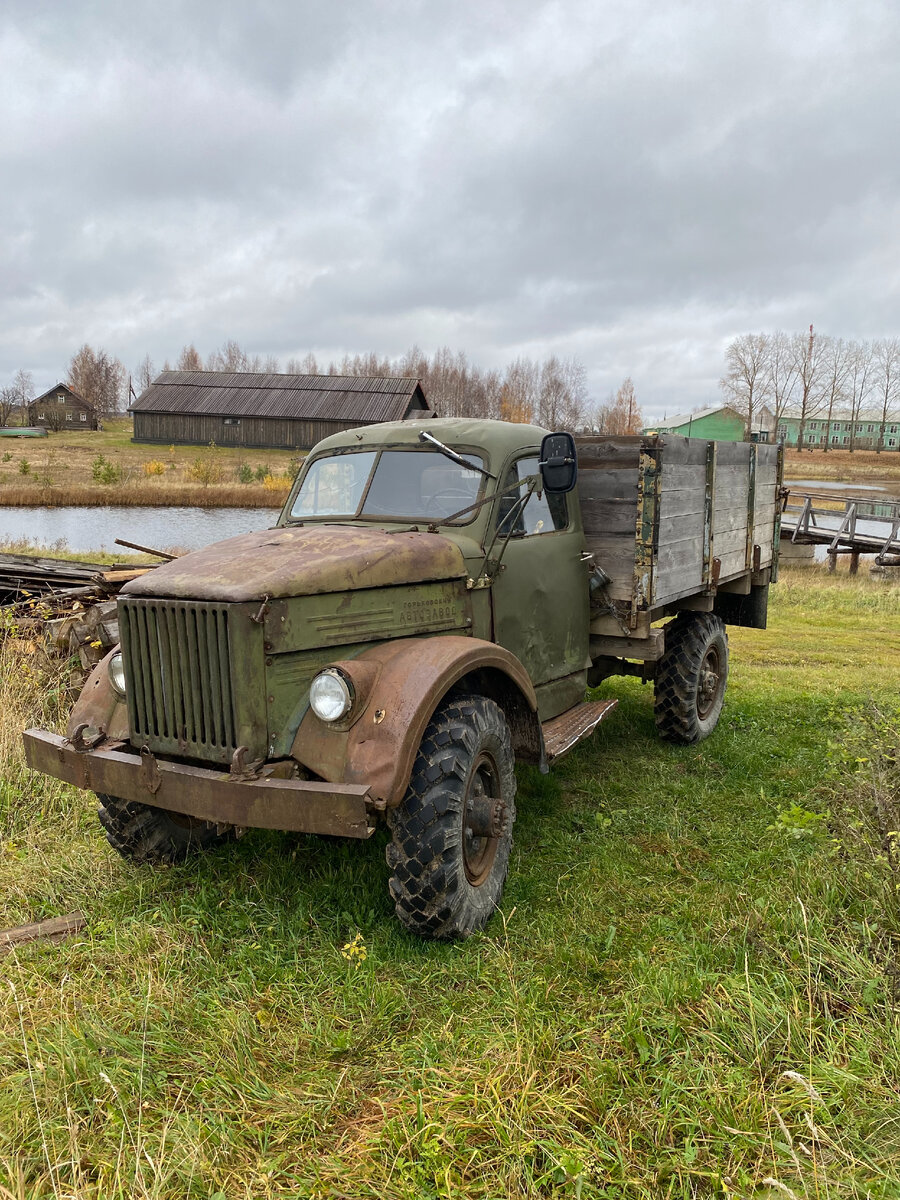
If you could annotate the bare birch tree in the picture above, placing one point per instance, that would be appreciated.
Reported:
(99, 378)
(808, 357)
(836, 369)
(859, 383)
(748, 377)
(189, 359)
(782, 374)
(887, 383)
(145, 374)
(9, 402)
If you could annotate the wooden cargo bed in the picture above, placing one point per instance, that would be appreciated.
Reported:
(669, 518)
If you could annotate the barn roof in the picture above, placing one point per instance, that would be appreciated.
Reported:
(307, 397)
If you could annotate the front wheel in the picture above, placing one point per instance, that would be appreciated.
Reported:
(452, 835)
(144, 834)
(691, 678)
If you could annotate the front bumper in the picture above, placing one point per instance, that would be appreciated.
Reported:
(304, 806)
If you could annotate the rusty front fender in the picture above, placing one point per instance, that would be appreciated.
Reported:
(398, 686)
(99, 706)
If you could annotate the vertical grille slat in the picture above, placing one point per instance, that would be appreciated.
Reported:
(193, 662)
(145, 675)
(180, 696)
(225, 657)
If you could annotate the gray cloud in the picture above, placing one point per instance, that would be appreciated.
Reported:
(623, 182)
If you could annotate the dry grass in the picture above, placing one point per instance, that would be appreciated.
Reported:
(100, 468)
(866, 466)
(145, 494)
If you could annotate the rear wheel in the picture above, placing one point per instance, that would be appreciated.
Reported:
(152, 835)
(452, 835)
(691, 677)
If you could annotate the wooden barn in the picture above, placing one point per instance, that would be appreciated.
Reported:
(62, 408)
(281, 412)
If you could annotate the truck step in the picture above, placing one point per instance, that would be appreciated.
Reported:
(563, 733)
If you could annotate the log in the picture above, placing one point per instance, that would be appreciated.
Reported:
(52, 930)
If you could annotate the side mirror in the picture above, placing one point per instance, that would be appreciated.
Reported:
(558, 463)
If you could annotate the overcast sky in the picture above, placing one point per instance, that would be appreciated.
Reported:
(630, 183)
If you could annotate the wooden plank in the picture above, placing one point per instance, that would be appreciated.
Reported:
(734, 454)
(52, 930)
(680, 451)
(599, 515)
(729, 520)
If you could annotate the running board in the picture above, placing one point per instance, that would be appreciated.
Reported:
(563, 733)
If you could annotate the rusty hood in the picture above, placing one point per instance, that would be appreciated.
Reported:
(306, 561)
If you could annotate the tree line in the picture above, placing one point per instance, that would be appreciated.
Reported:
(811, 376)
(551, 392)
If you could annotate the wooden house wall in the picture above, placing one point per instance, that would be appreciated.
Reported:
(265, 433)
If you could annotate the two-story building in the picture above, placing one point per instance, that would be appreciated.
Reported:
(62, 408)
(866, 431)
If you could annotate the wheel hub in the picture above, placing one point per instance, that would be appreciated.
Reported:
(484, 820)
(708, 685)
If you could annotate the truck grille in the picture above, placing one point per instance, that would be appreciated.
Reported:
(177, 668)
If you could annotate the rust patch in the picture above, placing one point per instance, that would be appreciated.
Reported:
(309, 561)
(415, 674)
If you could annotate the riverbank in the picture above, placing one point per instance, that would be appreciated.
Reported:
(92, 469)
(865, 466)
(690, 989)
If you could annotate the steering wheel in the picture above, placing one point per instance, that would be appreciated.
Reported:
(456, 496)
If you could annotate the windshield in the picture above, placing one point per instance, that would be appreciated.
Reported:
(415, 484)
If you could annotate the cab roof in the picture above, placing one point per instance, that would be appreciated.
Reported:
(496, 438)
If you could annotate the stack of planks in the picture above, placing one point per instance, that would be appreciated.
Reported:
(67, 613)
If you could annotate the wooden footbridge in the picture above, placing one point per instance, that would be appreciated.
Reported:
(851, 525)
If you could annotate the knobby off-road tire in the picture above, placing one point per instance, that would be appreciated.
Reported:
(445, 881)
(151, 835)
(691, 678)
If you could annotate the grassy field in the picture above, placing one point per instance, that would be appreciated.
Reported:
(864, 466)
(106, 467)
(692, 989)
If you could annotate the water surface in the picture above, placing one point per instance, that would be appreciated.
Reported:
(85, 529)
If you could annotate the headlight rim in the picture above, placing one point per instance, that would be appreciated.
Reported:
(348, 693)
(117, 660)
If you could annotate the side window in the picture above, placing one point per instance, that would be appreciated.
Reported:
(542, 514)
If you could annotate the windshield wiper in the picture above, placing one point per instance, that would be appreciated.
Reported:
(457, 458)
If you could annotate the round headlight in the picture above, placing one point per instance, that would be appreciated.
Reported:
(330, 696)
(117, 673)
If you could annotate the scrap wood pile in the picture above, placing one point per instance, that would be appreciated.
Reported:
(62, 610)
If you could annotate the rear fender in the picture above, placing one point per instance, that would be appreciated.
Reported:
(398, 686)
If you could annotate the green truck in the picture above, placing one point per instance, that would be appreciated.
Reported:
(433, 604)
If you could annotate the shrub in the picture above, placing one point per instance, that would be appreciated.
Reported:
(205, 471)
(106, 472)
(277, 483)
(245, 473)
(262, 471)
(24, 466)
(154, 467)
(7, 457)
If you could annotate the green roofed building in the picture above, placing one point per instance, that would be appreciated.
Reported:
(722, 423)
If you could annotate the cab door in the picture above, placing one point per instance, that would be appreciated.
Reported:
(540, 594)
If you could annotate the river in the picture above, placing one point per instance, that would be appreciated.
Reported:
(84, 529)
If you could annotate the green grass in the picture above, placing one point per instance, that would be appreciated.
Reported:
(690, 991)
